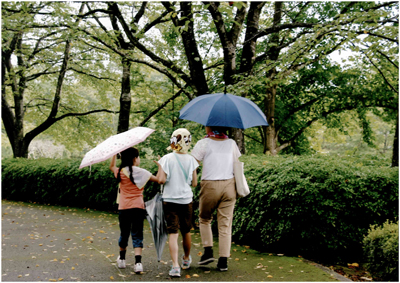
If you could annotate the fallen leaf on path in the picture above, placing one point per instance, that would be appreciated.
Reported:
(353, 264)
(199, 253)
(112, 278)
(270, 276)
(195, 275)
(208, 271)
(237, 259)
(187, 276)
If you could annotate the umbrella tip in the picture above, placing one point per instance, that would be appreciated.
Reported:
(225, 90)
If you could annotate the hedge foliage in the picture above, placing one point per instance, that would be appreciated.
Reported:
(314, 206)
(317, 207)
(381, 248)
(59, 181)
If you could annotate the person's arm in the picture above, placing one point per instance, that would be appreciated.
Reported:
(112, 163)
(161, 177)
(194, 178)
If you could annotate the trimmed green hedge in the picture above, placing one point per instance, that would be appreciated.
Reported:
(59, 181)
(317, 207)
(381, 248)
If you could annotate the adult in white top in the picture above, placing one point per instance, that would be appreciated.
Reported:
(218, 192)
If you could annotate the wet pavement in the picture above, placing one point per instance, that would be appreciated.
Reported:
(52, 243)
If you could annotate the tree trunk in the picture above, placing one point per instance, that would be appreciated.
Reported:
(395, 158)
(238, 136)
(249, 47)
(273, 54)
(197, 75)
(270, 137)
(125, 99)
(248, 57)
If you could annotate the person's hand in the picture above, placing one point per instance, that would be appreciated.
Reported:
(156, 162)
(158, 157)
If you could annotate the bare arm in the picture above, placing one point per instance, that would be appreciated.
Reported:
(194, 178)
(112, 163)
(161, 177)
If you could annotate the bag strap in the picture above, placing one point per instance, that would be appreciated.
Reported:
(180, 164)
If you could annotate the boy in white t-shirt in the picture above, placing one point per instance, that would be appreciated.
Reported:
(180, 169)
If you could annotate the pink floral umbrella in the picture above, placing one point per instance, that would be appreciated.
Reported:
(114, 145)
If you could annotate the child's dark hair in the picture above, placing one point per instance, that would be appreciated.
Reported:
(127, 157)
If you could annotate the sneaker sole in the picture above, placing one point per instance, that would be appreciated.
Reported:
(223, 269)
(174, 275)
(207, 261)
(184, 268)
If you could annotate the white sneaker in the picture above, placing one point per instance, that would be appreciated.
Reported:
(121, 263)
(138, 267)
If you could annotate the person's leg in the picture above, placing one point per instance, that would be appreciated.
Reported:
(173, 249)
(124, 226)
(137, 218)
(224, 218)
(185, 224)
(171, 217)
(187, 245)
(208, 199)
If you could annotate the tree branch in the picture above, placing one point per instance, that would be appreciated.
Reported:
(383, 75)
(90, 75)
(155, 111)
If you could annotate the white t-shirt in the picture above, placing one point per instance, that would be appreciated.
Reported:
(177, 186)
(217, 158)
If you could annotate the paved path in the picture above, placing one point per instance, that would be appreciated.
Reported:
(49, 243)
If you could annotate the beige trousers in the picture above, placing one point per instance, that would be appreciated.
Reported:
(220, 196)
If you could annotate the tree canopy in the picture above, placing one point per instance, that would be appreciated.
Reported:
(89, 61)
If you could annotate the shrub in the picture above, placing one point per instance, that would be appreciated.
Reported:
(59, 181)
(317, 207)
(381, 248)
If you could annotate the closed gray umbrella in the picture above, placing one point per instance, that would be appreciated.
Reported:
(155, 216)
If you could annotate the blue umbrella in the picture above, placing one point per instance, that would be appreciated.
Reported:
(223, 110)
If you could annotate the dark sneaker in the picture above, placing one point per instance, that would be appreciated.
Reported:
(206, 258)
(222, 264)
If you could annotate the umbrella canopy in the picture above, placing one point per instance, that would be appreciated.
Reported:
(114, 145)
(224, 110)
(155, 216)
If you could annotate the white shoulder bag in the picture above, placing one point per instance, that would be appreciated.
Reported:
(242, 188)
